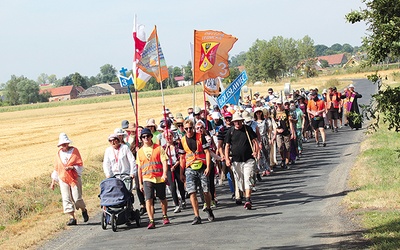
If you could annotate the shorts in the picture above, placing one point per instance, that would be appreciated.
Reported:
(283, 142)
(194, 178)
(333, 114)
(149, 188)
(317, 123)
(244, 172)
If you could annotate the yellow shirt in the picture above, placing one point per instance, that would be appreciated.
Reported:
(148, 150)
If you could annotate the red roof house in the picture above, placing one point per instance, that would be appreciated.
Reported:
(63, 93)
(334, 60)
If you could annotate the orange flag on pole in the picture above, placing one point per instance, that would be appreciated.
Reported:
(153, 61)
(211, 54)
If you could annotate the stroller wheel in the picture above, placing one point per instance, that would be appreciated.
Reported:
(114, 222)
(103, 220)
(137, 217)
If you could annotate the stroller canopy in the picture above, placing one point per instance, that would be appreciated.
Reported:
(113, 192)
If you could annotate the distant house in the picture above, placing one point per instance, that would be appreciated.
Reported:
(63, 93)
(333, 60)
(355, 60)
(181, 81)
(115, 88)
(95, 91)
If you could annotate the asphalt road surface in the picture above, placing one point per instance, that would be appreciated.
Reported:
(298, 208)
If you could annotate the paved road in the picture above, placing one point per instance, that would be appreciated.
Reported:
(297, 208)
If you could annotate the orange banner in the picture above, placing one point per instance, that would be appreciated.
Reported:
(211, 54)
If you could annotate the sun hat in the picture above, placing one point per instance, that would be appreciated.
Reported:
(124, 124)
(151, 122)
(179, 120)
(63, 138)
(132, 127)
(112, 137)
(351, 85)
(201, 123)
(246, 116)
(278, 101)
(197, 110)
(120, 131)
(145, 131)
(237, 117)
(257, 109)
(216, 115)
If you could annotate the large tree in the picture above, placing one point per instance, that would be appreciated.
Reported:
(107, 73)
(382, 41)
(21, 90)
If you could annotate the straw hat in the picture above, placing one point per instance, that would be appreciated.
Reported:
(151, 122)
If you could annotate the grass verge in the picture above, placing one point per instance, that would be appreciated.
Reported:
(376, 181)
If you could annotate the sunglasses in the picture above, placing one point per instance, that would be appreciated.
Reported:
(179, 125)
(145, 136)
(198, 128)
(188, 129)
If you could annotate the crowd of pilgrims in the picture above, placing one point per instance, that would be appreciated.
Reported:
(282, 125)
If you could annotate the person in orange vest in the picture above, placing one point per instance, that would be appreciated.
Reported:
(316, 109)
(67, 172)
(195, 165)
(333, 105)
(152, 172)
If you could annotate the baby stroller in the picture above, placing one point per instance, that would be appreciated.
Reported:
(116, 200)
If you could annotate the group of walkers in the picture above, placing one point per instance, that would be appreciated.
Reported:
(239, 144)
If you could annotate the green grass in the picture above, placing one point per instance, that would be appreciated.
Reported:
(377, 197)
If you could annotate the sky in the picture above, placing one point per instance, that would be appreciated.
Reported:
(64, 37)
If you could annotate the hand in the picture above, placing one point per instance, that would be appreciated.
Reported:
(52, 185)
(141, 187)
(183, 178)
(207, 171)
(132, 176)
(164, 177)
(227, 162)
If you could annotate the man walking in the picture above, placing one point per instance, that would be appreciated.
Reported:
(241, 144)
(195, 168)
(316, 109)
(152, 172)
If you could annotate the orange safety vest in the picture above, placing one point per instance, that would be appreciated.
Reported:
(152, 167)
(335, 100)
(199, 155)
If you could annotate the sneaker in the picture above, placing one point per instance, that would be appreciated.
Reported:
(247, 205)
(151, 225)
(142, 211)
(324, 144)
(210, 215)
(238, 201)
(317, 143)
(183, 204)
(259, 177)
(336, 130)
(204, 207)
(85, 216)
(71, 222)
(253, 189)
(177, 209)
(166, 220)
(197, 220)
(213, 204)
(233, 197)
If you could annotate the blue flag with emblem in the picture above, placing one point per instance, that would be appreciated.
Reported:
(232, 93)
(125, 81)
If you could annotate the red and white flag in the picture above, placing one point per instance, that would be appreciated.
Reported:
(139, 42)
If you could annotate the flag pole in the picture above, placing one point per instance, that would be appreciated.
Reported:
(134, 67)
(161, 83)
